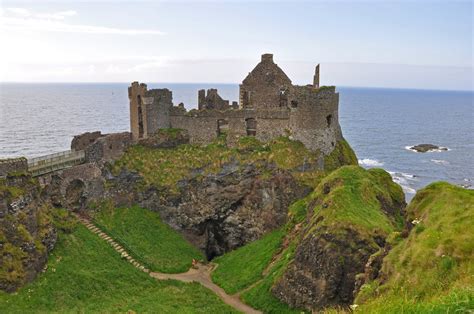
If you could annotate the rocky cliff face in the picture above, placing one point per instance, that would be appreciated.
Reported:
(221, 211)
(27, 233)
(350, 214)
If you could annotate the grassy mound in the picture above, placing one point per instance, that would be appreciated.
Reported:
(86, 275)
(149, 239)
(433, 269)
(240, 268)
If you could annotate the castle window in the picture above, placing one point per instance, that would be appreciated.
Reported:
(140, 117)
(294, 104)
(251, 126)
(283, 98)
(222, 127)
(329, 120)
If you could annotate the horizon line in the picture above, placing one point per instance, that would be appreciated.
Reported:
(237, 83)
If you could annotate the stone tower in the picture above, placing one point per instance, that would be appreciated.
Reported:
(316, 77)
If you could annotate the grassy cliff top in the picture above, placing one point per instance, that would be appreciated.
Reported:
(432, 270)
(165, 167)
(363, 199)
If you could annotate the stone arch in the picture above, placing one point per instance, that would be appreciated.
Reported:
(222, 127)
(141, 129)
(251, 126)
(74, 195)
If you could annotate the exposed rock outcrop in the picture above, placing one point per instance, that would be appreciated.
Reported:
(351, 213)
(219, 212)
(27, 233)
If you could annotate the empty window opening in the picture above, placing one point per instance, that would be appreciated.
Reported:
(222, 127)
(140, 117)
(294, 104)
(283, 98)
(251, 125)
(329, 120)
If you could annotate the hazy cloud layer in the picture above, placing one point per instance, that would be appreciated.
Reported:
(25, 19)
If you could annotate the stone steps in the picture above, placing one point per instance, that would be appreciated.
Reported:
(116, 246)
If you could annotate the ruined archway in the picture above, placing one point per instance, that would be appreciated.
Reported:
(75, 198)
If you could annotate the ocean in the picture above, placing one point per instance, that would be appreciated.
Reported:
(380, 124)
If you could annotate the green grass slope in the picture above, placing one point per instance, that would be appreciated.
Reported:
(240, 268)
(150, 240)
(85, 275)
(367, 200)
(432, 270)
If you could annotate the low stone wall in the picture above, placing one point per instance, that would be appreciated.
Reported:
(13, 165)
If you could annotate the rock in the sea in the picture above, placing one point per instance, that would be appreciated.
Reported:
(423, 148)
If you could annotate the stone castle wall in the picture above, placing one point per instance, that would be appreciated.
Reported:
(82, 141)
(270, 106)
(13, 165)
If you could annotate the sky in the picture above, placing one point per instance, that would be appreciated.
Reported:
(397, 44)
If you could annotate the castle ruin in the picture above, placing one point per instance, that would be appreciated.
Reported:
(269, 106)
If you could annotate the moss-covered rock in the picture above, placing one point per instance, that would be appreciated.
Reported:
(341, 155)
(27, 231)
(350, 214)
(432, 269)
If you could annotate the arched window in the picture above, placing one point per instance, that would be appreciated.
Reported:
(251, 126)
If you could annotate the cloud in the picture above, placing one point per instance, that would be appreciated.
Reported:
(27, 20)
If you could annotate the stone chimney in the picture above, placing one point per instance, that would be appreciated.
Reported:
(267, 57)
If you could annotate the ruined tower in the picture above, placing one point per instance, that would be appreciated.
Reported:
(316, 77)
(262, 87)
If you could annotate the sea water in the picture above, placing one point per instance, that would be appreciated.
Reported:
(379, 124)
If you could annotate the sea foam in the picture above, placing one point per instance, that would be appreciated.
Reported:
(366, 162)
(403, 179)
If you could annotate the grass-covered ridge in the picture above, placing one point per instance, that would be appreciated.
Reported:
(85, 275)
(433, 269)
(142, 231)
(353, 196)
(165, 167)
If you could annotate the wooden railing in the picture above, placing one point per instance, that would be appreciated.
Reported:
(53, 162)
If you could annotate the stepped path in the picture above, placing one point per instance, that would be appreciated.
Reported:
(201, 274)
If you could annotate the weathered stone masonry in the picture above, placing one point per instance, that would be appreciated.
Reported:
(269, 106)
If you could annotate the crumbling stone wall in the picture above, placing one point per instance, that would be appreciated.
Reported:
(82, 141)
(149, 110)
(13, 165)
(212, 100)
(108, 147)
